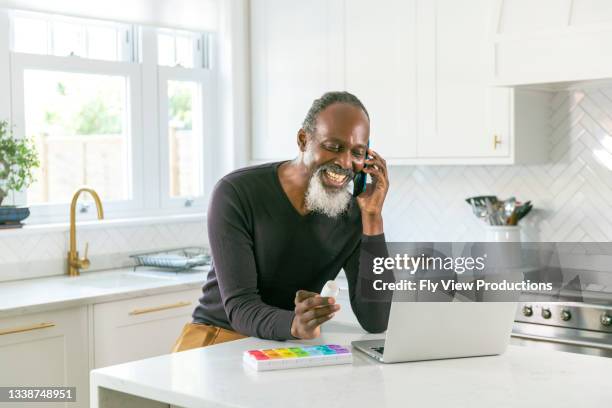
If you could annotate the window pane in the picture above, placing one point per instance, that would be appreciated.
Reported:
(30, 35)
(68, 39)
(185, 139)
(102, 43)
(78, 123)
(165, 50)
(39, 33)
(184, 51)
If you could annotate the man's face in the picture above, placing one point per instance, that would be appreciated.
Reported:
(338, 148)
(333, 155)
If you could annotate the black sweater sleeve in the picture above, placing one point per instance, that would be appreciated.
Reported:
(231, 244)
(370, 307)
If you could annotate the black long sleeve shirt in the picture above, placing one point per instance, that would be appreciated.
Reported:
(264, 251)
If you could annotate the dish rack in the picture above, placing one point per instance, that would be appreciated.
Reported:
(176, 260)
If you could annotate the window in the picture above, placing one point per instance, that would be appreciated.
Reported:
(30, 35)
(185, 92)
(84, 117)
(134, 129)
(78, 124)
(184, 139)
(181, 48)
(186, 123)
(37, 33)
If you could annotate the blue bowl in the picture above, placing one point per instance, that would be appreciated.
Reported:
(13, 215)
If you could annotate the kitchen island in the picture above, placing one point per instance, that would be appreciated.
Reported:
(215, 377)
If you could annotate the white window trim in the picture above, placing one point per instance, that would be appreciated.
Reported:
(20, 62)
(5, 68)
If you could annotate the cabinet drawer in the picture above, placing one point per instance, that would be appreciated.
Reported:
(46, 349)
(142, 327)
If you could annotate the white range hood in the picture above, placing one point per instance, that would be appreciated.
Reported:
(552, 43)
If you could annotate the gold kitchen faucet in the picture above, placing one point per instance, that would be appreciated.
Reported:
(74, 262)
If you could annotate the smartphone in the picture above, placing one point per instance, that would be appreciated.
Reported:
(359, 182)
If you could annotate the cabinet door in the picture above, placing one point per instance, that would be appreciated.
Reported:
(459, 115)
(380, 69)
(296, 56)
(143, 327)
(46, 349)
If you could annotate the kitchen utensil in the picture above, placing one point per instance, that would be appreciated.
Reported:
(523, 211)
(509, 206)
(491, 213)
(479, 211)
(495, 212)
(480, 201)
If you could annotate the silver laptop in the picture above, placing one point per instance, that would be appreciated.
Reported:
(430, 330)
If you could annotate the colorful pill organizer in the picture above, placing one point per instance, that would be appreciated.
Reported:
(296, 357)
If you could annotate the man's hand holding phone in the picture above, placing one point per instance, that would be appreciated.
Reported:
(311, 310)
(371, 201)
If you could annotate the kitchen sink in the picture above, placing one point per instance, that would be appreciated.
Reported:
(122, 279)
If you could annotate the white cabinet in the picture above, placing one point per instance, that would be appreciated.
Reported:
(53, 348)
(551, 41)
(46, 349)
(460, 115)
(380, 69)
(296, 56)
(421, 67)
(143, 327)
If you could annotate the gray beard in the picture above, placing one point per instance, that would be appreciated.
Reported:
(321, 200)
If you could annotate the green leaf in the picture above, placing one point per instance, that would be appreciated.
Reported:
(18, 157)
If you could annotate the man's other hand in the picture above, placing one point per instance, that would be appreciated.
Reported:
(311, 310)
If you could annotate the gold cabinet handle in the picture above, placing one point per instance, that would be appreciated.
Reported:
(158, 308)
(37, 326)
(496, 141)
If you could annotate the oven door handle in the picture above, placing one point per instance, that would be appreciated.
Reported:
(583, 343)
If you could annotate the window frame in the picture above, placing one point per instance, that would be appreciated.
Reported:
(203, 77)
(149, 154)
(124, 30)
(20, 62)
(199, 43)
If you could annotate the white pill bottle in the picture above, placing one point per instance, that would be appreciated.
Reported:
(331, 289)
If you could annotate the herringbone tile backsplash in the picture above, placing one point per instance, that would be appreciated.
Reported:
(30, 255)
(572, 194)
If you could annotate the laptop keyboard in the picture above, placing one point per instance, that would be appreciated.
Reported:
(379, 349)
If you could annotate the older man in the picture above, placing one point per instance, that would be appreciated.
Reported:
(279, 231)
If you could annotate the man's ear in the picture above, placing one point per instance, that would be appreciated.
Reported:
(302, 140)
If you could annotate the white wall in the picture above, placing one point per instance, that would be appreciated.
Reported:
(186, 14)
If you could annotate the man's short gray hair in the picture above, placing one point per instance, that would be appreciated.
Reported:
(327, 99)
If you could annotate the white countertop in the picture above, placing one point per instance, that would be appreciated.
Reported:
(214, 376)
(58, 292)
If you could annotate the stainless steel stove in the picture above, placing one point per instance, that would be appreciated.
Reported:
(578, 319)
(568, 326)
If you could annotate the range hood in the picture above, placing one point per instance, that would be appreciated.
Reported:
(552, 44)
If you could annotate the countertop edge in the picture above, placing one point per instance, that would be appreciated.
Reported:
(98, 299)
(101, 379)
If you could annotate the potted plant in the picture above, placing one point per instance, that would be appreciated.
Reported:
(18, 158)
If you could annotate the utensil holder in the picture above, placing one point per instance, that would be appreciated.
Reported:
(503, 233)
